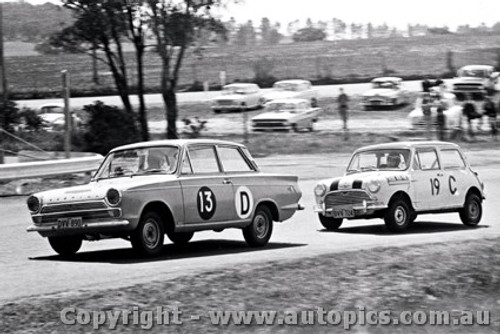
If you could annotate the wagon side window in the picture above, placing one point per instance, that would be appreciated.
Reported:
(203, 160)
(232, 160)
(427, 159)
(452, 159)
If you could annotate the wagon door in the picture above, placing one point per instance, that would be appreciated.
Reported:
(206, 192)
(428, 181)
(457, 176)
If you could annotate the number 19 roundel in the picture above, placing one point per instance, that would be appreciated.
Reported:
(207, 203)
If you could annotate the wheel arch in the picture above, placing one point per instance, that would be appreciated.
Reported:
(474, 190)
(400, 194)
(163, 210)
(272, 206)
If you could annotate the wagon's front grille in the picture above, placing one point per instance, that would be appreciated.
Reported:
(225, 102)
(468, 86)
(346, 197)
(55, 208)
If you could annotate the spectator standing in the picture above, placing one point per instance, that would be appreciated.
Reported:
(469, 111)
(440, 106)
(343, 107)
(491, 111)
(426, 110)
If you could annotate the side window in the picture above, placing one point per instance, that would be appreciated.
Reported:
(232, 160)
(452, 159)
(186, 165)
(428, 160)
(203, 160)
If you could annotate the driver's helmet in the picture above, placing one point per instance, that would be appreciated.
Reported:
(393, 160)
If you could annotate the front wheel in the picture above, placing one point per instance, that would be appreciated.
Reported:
(65, 246)
(330, 223)
(147, 239)
(258, 233)
(398, 216)
(472, 211)
(180, 238)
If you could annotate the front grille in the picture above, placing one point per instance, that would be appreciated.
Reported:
(468, 86)
(225, 102)
(73, 207)
(270, 123)
(348, 197)
(105, 214)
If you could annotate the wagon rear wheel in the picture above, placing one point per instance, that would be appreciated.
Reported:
(472, 211)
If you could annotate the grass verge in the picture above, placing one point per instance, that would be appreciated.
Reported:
(440, 277)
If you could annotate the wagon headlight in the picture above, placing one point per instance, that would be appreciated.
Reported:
(320, 190)
(374, 186)
(33, 203)
(113, 197)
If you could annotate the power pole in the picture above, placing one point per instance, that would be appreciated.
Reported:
(5, 94)
(68, 119)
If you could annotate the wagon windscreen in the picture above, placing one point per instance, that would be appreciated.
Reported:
(383, 159)
(139, 161)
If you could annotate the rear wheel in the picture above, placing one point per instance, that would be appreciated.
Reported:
(65, 246)
(330, 223)
(148, 237)
(472, 211)
(398, 216)
(259, 232)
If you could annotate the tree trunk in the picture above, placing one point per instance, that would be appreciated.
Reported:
(170, 101)
(140, 91)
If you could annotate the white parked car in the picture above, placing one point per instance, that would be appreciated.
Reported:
(287, 89)
(52, 115)
(397, 182)
(287, 114)
(238, 96)
(475, 79)
(385, 92)
(452, 112)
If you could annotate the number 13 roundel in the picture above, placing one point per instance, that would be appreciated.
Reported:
(207, 203)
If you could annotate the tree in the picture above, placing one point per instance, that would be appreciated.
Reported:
(173, 24)
(309, 35)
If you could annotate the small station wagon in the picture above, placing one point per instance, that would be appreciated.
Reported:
(145, 190)
(399, 181)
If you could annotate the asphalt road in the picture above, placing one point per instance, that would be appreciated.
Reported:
(29, 267)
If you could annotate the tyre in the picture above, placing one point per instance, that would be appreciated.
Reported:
(217, 111)
(398, 216)
(295, 128)
(147, 239)
(472, 211)
(258, 233)
(65, 246)
(314, 102)
(310, 126)
(180, 238)
(330, 223)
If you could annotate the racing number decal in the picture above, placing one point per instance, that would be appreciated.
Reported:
(243, 201)
(207, 203)
(435, 185)
(453, 188)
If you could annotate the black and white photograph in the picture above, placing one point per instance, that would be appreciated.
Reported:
(227, 166)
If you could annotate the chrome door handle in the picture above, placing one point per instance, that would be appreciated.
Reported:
(227, 181)
(440, 174)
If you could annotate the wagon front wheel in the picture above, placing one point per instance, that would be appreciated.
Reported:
(65, 246)
(398, 216)
(147, 239)
(259, 231)
(330, 223)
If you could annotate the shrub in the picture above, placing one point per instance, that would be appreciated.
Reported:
(31, 120)
(108, 127)
(9, 115)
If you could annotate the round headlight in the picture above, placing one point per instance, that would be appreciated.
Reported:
(33, 203)
(320, 190)
(374, 186)
(113, 197)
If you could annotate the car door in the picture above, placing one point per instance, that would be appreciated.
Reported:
(206, 192)
(243, 177)
(457, 177)
(428, 180)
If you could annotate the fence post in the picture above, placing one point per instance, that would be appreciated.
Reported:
(68, 120)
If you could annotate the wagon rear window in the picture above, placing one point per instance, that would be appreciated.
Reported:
(452, 159)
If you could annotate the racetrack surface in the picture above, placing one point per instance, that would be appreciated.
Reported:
(29, 267)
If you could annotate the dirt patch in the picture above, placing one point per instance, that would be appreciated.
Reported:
(433, 277)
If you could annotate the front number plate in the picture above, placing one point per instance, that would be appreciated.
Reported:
(344, 213)
(73, 222)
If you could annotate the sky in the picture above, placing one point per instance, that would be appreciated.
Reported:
(398, 13)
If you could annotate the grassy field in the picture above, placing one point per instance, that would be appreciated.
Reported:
(350, 60)
(454, 277)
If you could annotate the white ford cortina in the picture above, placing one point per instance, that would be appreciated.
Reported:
(399, 181)
(145, 190)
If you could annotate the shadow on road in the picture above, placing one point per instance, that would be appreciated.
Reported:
(419, 227)
(169, 252)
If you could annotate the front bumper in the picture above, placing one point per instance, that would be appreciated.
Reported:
(378, 103)
(360, 210)
(106, 226)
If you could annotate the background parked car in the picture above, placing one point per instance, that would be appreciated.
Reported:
(287, 89)
(52, 115)
(475, 79)
(287, 114)
(238, 96)
(452, 112)
(385, 92)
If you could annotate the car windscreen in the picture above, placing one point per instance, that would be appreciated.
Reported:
(474, 73)
(276, 107)
(286, 86)
(139, 161)
(381, 159)
(383, 84)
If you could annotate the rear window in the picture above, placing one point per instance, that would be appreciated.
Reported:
(452, 159)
